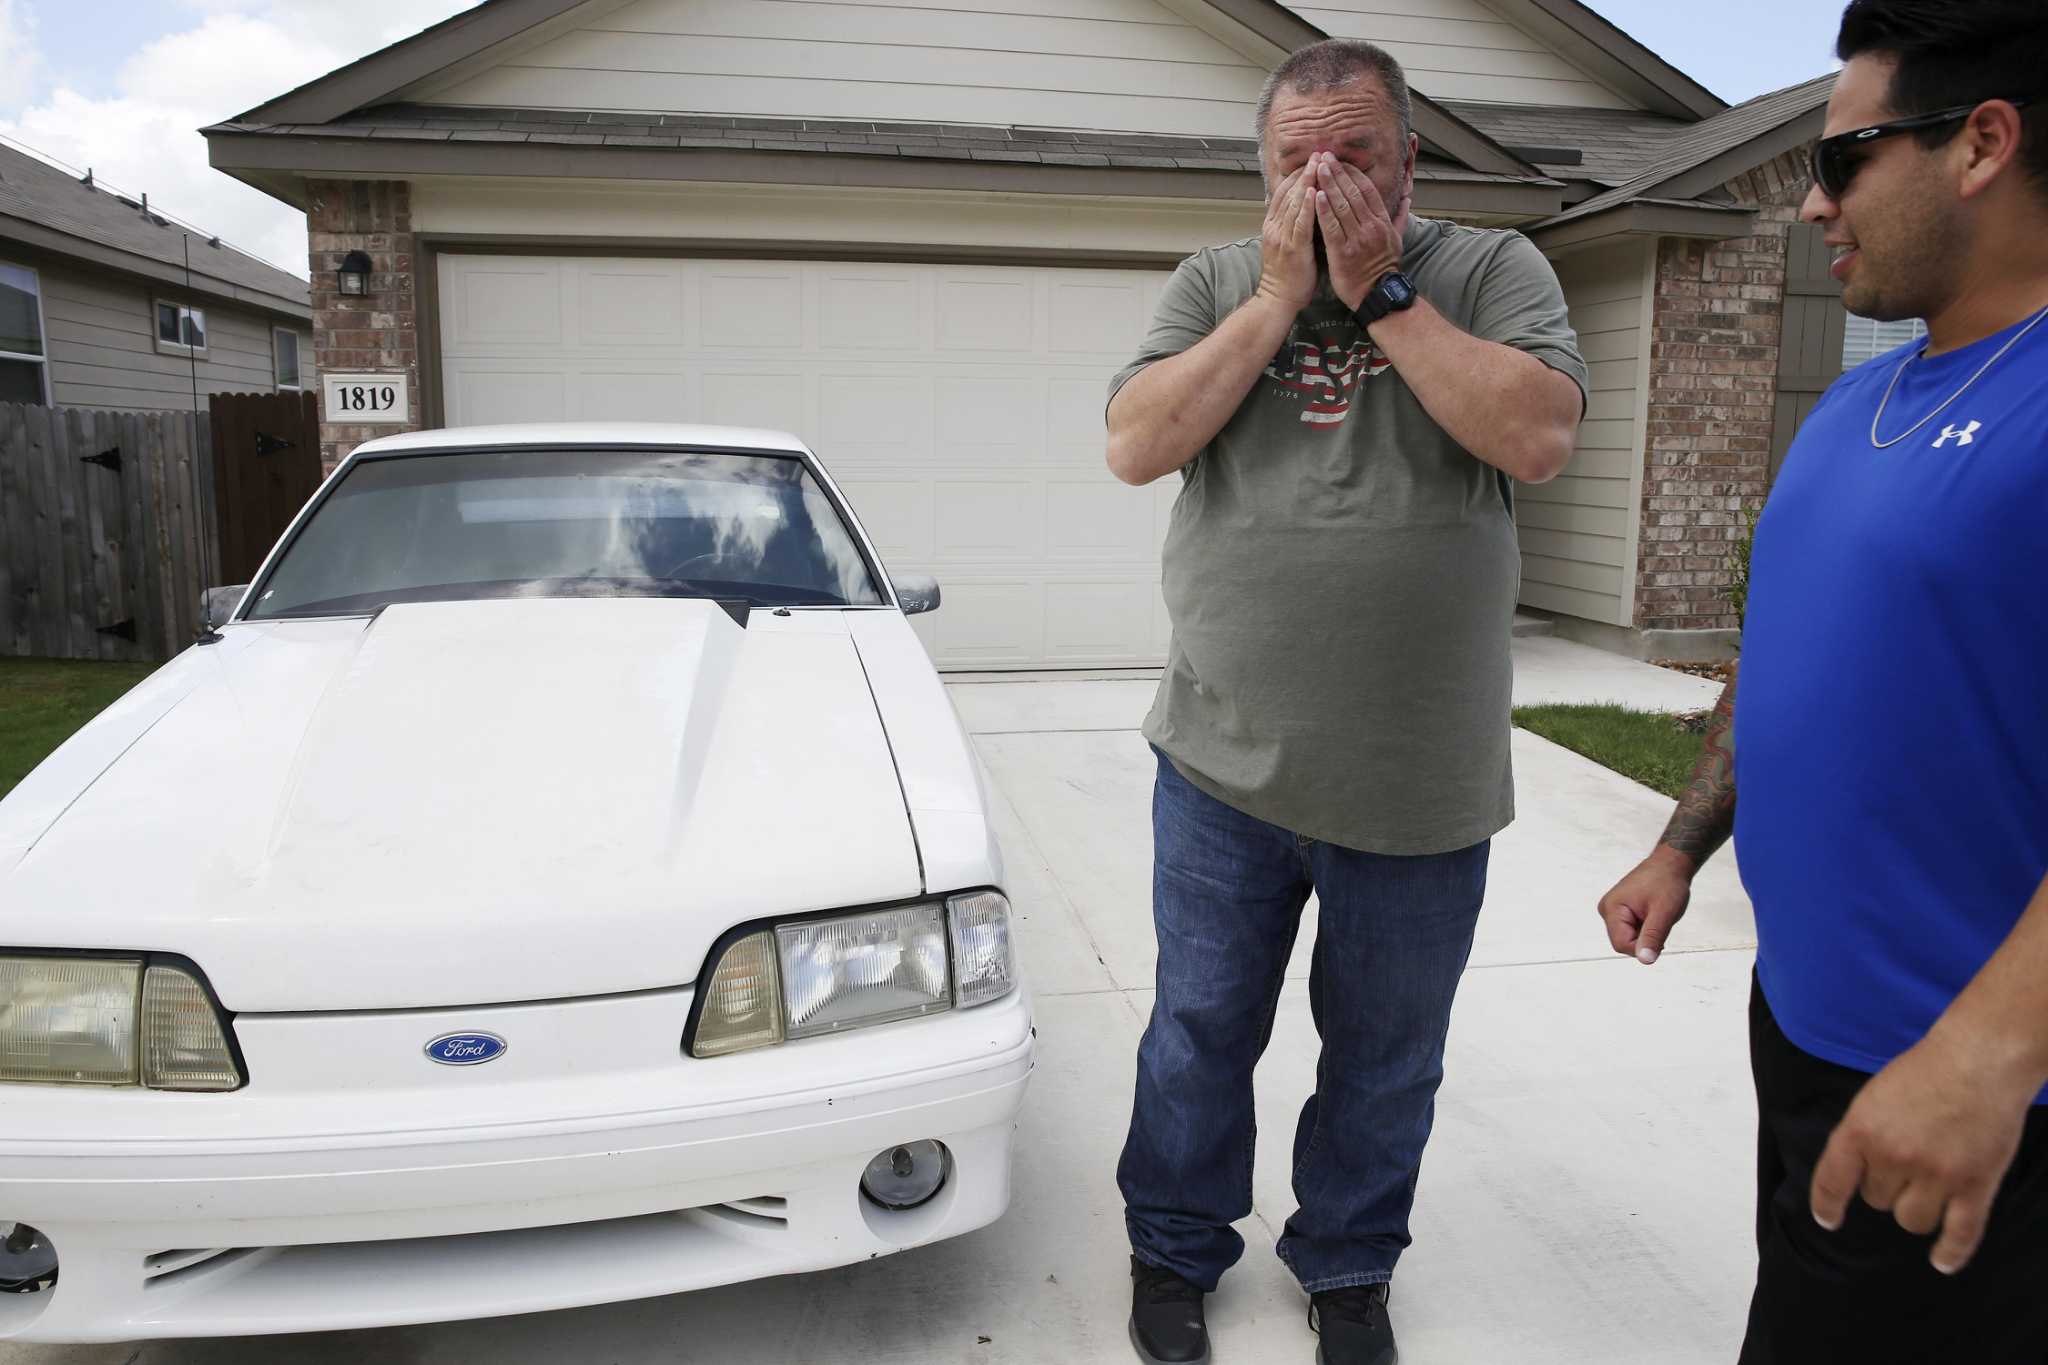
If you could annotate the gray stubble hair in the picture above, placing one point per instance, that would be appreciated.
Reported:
(1334, 64)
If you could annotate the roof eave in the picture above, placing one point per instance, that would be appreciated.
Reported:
(269, 160)
(374, 77)
(148, 269)
(1699, 222)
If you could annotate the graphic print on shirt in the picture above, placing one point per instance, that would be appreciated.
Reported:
(1320, 365)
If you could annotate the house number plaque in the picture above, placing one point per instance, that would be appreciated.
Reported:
(367, 398)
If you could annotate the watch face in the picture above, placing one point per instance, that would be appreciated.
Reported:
(1397, 290)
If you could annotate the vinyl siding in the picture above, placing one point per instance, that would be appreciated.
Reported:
(774, 214)
(1461, 50)
(1579, 532)
(1124, 65)
(101, 335)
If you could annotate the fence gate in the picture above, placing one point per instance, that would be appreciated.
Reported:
(103, 545)
(266, 459)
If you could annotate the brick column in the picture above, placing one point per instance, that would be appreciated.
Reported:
(378, 330)
(1713, 383)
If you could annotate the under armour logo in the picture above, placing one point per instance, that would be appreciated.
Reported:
(1964, 437)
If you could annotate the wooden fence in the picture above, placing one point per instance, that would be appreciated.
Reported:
(104, 548)
(266, 461)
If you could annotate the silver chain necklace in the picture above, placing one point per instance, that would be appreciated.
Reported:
(1946, 402)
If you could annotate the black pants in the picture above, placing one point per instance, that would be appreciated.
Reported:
(1866, 1294)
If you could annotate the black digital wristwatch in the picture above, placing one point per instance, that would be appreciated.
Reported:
(1394, 293)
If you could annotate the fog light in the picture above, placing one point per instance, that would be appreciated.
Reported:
(904, 1177)
(28, 1263)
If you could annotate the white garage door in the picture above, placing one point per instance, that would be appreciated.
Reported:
(960, 407)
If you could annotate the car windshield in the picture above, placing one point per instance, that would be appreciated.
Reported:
(570, 523)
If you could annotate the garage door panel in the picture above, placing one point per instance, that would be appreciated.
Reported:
(898, 515)
(1074, 410)
(960, 408)
(1098, 518)
(752, 308)
(1093, 621)
(497, 395)
(629, 306)
(974, 412)
(990, 623)
(1104, 317)
(869, 415)
(752, 398)
(987, 313)
(609, 396)
(870, 313)
(986, 519)
(506, 303)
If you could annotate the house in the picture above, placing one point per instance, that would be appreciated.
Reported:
(924, 235)
(107, 304)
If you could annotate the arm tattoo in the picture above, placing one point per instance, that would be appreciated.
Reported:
(1706, 808)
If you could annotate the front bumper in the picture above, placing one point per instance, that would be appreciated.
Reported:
(355, 1184)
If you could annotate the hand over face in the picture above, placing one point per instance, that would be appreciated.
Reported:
(1361, 233)
(1288, 269)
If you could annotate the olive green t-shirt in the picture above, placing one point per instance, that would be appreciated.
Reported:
(1341, 575)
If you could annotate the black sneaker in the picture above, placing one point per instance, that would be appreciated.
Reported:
(1354, 1326)
(1166, 1317)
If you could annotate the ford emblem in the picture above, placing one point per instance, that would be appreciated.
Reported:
(466, 1049)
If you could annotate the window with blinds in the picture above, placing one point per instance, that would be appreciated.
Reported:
(1864, 339)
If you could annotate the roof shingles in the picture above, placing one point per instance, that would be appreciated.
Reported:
(848, 137)
(36, 192)
(1699, 143)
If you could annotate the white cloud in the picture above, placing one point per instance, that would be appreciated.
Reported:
(144, 137)
(19, 62)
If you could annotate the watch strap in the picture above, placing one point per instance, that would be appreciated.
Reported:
(1379, 301)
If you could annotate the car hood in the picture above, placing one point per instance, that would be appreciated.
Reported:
(464, 803)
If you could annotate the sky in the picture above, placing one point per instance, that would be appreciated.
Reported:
(121, 86)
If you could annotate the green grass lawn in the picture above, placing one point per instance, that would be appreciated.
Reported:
(43, 700)
(1648, 746)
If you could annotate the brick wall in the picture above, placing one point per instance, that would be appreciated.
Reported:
(374, 331)
(1713, 380)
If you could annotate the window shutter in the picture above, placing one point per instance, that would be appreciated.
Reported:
(1810, 341)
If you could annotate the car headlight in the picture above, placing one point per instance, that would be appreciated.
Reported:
(111, 1021)
(817, 976)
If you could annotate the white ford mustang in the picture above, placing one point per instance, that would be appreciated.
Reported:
(562, 880)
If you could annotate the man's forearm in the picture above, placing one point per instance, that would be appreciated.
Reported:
(2002, 1015)
(1172, 408)
(1505, 406)
(1706, 808)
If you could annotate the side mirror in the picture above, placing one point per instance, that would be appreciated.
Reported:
(917, 592)
(216, 605)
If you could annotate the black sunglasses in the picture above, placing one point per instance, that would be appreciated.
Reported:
(1835, 160)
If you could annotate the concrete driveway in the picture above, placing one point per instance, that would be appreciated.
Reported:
(1585, 1200)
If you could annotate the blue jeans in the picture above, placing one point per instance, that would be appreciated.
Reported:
(1393, 937)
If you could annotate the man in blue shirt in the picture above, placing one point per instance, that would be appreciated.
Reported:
(1885, 771)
